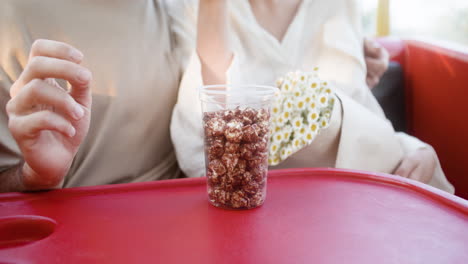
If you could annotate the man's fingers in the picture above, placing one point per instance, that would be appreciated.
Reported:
(82, 95)
(29, 125)
(44, 67)
(55, 49)
(406, 167)
(39, 92)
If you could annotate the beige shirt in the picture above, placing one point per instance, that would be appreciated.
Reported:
(128, 49)
(326, 34)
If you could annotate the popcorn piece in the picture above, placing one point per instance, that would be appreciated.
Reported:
(217, 168)
(215, 127)
(261, 146)
(247, 178)
(250, 114)
(220, 196)
(263, 115)
(252, 188)
(233, 132)
(215, 147)
(247, 151)
(264, 129)
(259, 162)
(239, 200)
(242, 166)
(231, 147)
(230, 161)
(250, 133)
(259, 173)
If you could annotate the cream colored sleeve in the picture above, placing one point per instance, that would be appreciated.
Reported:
(186, 123)
(367, 142)
(409, 144)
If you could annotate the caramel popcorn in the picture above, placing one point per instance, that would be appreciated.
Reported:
(233, 131)
(236, 146)
(231, 147)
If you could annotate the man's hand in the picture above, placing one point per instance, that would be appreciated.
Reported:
(418, 165)
(377, 59)
(47, 121)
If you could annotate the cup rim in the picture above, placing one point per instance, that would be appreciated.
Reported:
(266, 90)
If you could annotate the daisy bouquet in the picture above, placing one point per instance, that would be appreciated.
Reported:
(302, 109)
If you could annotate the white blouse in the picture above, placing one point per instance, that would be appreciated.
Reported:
(323, 33)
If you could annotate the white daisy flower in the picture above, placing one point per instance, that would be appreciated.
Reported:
(308, 98)
(314, 127)
(300, 104)
(276, 129)
(286, 115)
(312, 116)
(276, 160)
(309, 136)
(276, 110)
(274, 147)
(298, 92)
(287, 86)
(302, 77)
(324, 123)
(283, 154)
(312, 106)
(287, 131)
(280, 121)
(289, 150)
(297, 143)
(297, 123)
(301, 132)
(323, 100)
(288, 105)
(314, 83)
(277, 137)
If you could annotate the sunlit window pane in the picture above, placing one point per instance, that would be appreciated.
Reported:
(441, 20)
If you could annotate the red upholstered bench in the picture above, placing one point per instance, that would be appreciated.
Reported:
(436, 88)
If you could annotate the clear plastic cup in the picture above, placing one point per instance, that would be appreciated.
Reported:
(236, 122)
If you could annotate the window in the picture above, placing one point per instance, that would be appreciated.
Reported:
(434, 19)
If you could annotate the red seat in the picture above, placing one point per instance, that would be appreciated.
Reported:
(436, 87)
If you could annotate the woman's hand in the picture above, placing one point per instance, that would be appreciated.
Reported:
(47, 121)
(377, 59)
(418, 165)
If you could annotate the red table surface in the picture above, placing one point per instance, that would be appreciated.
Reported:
(310, 216)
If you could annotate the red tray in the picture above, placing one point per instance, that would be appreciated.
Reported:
(310, 216)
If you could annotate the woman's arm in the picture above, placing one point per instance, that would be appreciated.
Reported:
(213, 40)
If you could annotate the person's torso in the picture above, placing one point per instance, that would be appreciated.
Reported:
(135, 77)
